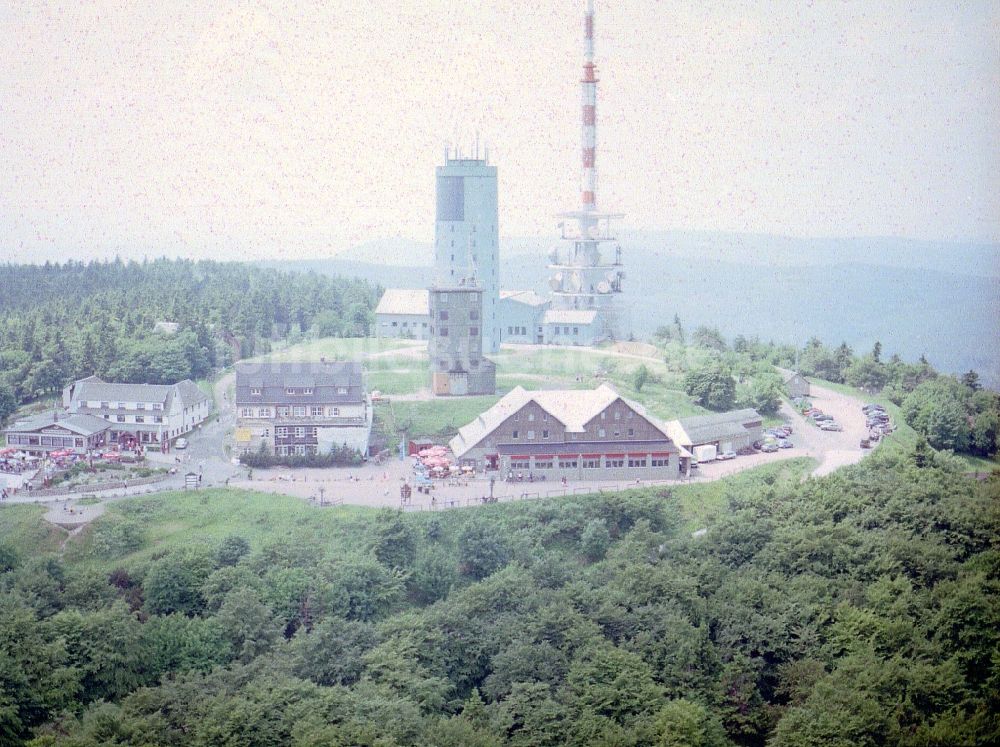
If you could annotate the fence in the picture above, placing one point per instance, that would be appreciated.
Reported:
(95, 487)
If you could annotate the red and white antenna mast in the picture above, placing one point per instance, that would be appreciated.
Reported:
(588, 184)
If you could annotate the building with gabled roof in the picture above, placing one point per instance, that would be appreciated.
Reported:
(147, 414)
(298, 408)
(728, 431)
(578, 434)
(58, 431)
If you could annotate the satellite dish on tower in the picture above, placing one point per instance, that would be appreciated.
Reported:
(554, 256)
(555, 282)
(575, 283)
(594, 231)
(604, 287)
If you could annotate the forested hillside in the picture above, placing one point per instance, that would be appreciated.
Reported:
(857, 609)
(59, 322)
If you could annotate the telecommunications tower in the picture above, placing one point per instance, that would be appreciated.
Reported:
(587, 272)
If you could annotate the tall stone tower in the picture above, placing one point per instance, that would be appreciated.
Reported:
(466, 234)
(463, 300)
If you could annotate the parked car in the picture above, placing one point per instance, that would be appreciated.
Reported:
(769, 448)
(181, 443)
(785, 444)
(727, 455)
(866, 443)
(830, 425)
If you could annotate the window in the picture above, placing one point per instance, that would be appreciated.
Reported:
(631, 432)
(565, 330)
(443, 315)
(246, 412)
(300, 449)
(283, 411)
(282, 450)
(334, 411)
(120, 405)
(263, 412)
(105, 405)
(300, 431)
(629, 414)
(556, 330)
(395, 324)
(473, 331)
(519, 464)
(661, 461)
(614, 462)
(617, 432)
(473, 315)
(545, 433)
(255, 391)
(510, 330)
(567, 462)
(531, 416)
(543, 463)
(513, 435)
(474, 362)
(281, 432)
(637, 461)
(316, 411)
(299, 411)
(311, 432)
(140, 419)
(601, 433)
(531, 435)
(591, 463)
(443, 332)
(341, 390)
(140, 405)
(157, 406)
(618, 416)
(576, 331)
(120, 418)
(157, 418)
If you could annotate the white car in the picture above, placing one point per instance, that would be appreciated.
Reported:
(830, 425)
(181, 443)
(727, 455)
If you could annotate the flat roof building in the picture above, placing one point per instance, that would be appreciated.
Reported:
(403, 312)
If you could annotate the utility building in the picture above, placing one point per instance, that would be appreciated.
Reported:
(455, 347)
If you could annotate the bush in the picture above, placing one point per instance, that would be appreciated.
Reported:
(339, 456)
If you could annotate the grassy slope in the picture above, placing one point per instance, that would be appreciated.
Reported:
(22, 527)
(182, 519)
(177, 520)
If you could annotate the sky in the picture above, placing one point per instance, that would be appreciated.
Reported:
(297, 129)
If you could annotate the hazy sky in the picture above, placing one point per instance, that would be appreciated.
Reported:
(256, 129)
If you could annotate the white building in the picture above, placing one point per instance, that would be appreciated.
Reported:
(572, 327)
(403, 312)
(149, 414)
(467, 238)
(521, 315)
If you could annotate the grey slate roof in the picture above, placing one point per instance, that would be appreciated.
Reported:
(705, 428)
(325, 378)
(84, 425)
(93, 389)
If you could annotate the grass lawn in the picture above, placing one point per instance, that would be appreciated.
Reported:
(23, 528)
(439, 418)
(173, 521)
(340, 348)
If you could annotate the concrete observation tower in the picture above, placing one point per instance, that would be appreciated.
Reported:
(586, 267)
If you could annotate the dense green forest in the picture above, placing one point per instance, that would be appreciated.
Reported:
(857, 609)
(60, 322)
(950, 412)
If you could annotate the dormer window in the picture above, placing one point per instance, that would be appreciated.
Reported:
(255, 391)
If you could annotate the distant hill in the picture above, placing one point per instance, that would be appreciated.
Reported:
(937, 299)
